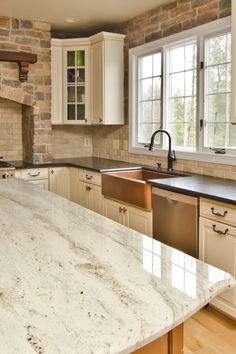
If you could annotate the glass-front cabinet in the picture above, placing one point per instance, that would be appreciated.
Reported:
(76, 85)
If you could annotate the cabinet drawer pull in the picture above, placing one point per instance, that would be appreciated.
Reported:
(122, 210)
(88, 177)
(88, 188)
(219, 214)
(34, 174)
(219, 232)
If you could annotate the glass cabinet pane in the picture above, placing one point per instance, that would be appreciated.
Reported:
(80, 58)
(71, 112)
(71, 94)
(80, 74)
(71, 75)
(80, 111)
(71, 58)
(81, 94)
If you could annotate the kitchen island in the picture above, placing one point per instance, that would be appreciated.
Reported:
(73, 281)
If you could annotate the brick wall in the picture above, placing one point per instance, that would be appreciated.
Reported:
(35, 94)
(165, 20)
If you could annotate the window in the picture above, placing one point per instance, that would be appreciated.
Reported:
(182, 87)
(218, 131)
(149, 102)
(182, 83)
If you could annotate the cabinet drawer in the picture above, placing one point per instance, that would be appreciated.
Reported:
(90, 177)
(34, 173)
(222, 212)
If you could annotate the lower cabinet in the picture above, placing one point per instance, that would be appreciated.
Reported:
(42, 183)
(137, 219)
(74, 185)
(217, 246)
(59, 181)
(91, 197)
(37, 176)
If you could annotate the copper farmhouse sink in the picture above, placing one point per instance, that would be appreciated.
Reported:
(131, 186)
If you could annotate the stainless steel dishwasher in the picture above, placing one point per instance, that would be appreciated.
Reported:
(175, 220)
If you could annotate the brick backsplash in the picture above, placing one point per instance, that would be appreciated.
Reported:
(68, 141)
(11, 147)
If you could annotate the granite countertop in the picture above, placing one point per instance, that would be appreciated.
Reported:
(89, 163)
(200, 186)
(73, 281)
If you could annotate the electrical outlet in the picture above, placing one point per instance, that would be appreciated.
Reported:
(87, 141)
(116, 144)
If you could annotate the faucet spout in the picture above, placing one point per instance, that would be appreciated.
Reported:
(171, 153)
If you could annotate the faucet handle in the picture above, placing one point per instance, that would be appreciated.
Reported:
(173, 155)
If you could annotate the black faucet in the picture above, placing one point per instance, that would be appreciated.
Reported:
(171, 153)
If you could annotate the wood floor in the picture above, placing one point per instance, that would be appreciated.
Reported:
(208, 332)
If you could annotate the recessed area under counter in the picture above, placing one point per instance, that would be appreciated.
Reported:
(89, 281)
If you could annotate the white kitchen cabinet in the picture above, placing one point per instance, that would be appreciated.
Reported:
(135, 218)
(107, 78)
(88, 79)
(59, 181)
(37, 176)
(74, 185)
(90, 191)
(76, 84)
(217, 246)
(91, 197)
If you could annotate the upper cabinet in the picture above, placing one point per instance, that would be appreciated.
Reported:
(87, 80)
(76, 85)
(107, 78)
(233, 60)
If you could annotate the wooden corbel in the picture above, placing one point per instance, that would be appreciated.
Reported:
(23, 59)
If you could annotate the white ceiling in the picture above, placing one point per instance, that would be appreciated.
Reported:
(91, 14)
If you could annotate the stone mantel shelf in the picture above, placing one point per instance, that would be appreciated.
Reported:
(23, 59)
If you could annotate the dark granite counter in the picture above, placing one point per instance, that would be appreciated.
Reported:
(201, 186)
(89, 163)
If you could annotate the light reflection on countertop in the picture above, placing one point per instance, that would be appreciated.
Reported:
(74, 280)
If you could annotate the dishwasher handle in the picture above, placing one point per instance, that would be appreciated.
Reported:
(178, 197)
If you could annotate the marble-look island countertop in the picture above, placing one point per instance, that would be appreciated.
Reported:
(72, 281)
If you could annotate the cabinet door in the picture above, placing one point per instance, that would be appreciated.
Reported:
(219, 250)
(85, 195)
(59, 181)
(76, 86)
(43, 183)
(97, 82)
(74, 185)
(112, 210)
(97, 199)
(139, 220)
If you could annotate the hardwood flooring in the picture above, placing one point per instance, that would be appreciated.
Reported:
(209, 332)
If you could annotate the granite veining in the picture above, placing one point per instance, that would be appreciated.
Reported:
(72, 281)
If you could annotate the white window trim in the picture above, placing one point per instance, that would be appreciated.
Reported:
(152, 47)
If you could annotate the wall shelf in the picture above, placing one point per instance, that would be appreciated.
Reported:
(23, 59)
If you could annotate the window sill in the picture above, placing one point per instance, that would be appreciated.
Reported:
(210, 157)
